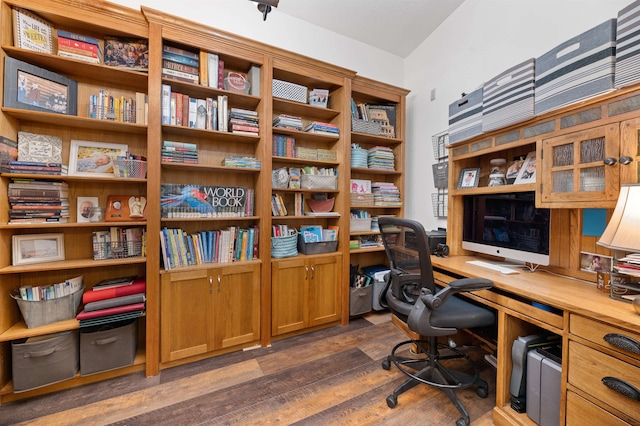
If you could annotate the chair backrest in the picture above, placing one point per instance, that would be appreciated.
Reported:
(407, 248)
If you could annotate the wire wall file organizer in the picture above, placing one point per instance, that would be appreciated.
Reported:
(440, 173)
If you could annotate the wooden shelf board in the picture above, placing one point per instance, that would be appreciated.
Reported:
(69, 225)
(211, 168)
(365, 138)
(216, 134)
(302, 161)
(366, 250)
(70, 264)
(210, 219)
(238, 100)
(374, 171)
(69, 178)
(209, 266)
(300, 135)
(299, 109)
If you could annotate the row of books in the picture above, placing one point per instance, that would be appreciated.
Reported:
(179, 109)
(53, 291)
(179, 152)
(242, 162)
(322, 128)
(34, 168)
(113, 300)
(278, 207)
(119, 242)
(381, 158)
(38, 201)
(180, 201)
(180, 64)
(283, 146)
(232, 244)
(103, 106)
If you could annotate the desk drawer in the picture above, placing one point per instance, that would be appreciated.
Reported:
(623, 341)
(581, 412)
(587, 368)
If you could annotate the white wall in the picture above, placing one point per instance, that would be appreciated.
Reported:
(481, 39)
(242, 17)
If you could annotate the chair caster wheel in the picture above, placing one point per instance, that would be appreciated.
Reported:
(392, 401)
(462, 422)
(483, 389)
(386, 364)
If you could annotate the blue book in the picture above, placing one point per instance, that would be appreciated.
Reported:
(79, 37)
(180, 59)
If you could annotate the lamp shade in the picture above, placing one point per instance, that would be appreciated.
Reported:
(623, 230)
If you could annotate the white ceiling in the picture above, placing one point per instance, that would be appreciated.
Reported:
(395, 26)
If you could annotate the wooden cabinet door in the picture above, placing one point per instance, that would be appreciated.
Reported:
(236, 305)
(290, 295)
(573, 173)
(630, 151)
(186, 317)
(324, 290)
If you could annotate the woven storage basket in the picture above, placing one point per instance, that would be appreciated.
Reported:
(37, 313)
(130, 168)
(359, 200)
(368, 127)
(360, 225)
(284, 246)
(318, 182)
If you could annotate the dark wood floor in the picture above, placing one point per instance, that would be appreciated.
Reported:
(332, 376)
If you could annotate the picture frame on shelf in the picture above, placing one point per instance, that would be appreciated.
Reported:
(86, 206)
(33, 88)
(469, 178)
(593, 262)
(514, 169)
(32, 32)
(527, 173)
(37, 248)
(132, 54)
(125, 208)
(94, 159)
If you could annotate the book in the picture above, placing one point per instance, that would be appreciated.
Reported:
(138, 286)
(84, 315)
(178, 51)
(32, 32)
(116, 301)
(8, 152)
(115, 282)
(80, 37)
(212, 70)
(253, 77)
(180, 59)
(191, 201)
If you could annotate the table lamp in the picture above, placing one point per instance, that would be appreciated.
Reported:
(623, 230)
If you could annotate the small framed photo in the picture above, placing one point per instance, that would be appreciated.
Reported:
(94, 158)
(469, 178)
(37, 248)
(592, 262)
(527, 173)
(37, 89)
(128, 53)
(86, 207)
(122, 208)
(514, 169)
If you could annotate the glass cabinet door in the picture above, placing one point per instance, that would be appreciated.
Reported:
(580, 167)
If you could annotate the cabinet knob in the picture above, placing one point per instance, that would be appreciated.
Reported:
(622, 387)
(623, 342)
(626, 160)
(609, 161)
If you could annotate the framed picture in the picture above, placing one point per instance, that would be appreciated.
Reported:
(527, 173)
(514, 169)
(469, 178)
(94, 158)
(125, 208)
(39, 148)
(37, 248)
(86, 206)
(128, 53)
(29, 87)
(595, 262)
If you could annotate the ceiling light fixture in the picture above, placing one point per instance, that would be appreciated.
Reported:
(264, 6)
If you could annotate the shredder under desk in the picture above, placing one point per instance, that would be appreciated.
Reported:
(512, 296)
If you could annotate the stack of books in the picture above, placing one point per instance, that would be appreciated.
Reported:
(381, 158)
(288, 122)
(322, 128)
(79, 47)
(35, 168)
(36, 201)
(243, 121)
(385, 194)
(113, 300)
(242, 162)
(180, 64)
(179, 152)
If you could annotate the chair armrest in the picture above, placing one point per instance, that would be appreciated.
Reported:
(471, 284)
(435, 301)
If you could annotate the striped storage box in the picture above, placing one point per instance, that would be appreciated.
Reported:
(508, 98)
(465, 117)
(289, 91)
(628, 46)
(576, 69)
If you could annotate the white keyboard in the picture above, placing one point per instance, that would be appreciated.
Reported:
(493, 267)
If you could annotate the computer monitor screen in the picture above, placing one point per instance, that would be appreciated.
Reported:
(508, 226)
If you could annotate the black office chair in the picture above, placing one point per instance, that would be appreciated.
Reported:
(429, 311)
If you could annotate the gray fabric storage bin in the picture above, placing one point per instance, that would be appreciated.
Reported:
(465, 117)
(628, 46)
(378, 286)
(577, 69)
(508, 98)
(360, 300)
(108, 346)
(44, 360)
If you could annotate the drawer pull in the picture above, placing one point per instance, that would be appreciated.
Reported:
(623, 342)
(621, 387)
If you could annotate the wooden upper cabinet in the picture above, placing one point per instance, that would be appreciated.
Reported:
(576, 169)
(630, 151)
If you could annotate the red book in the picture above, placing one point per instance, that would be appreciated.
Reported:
(139, 285)
(84, 315)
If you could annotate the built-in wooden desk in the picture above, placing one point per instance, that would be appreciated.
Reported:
(529, 302)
